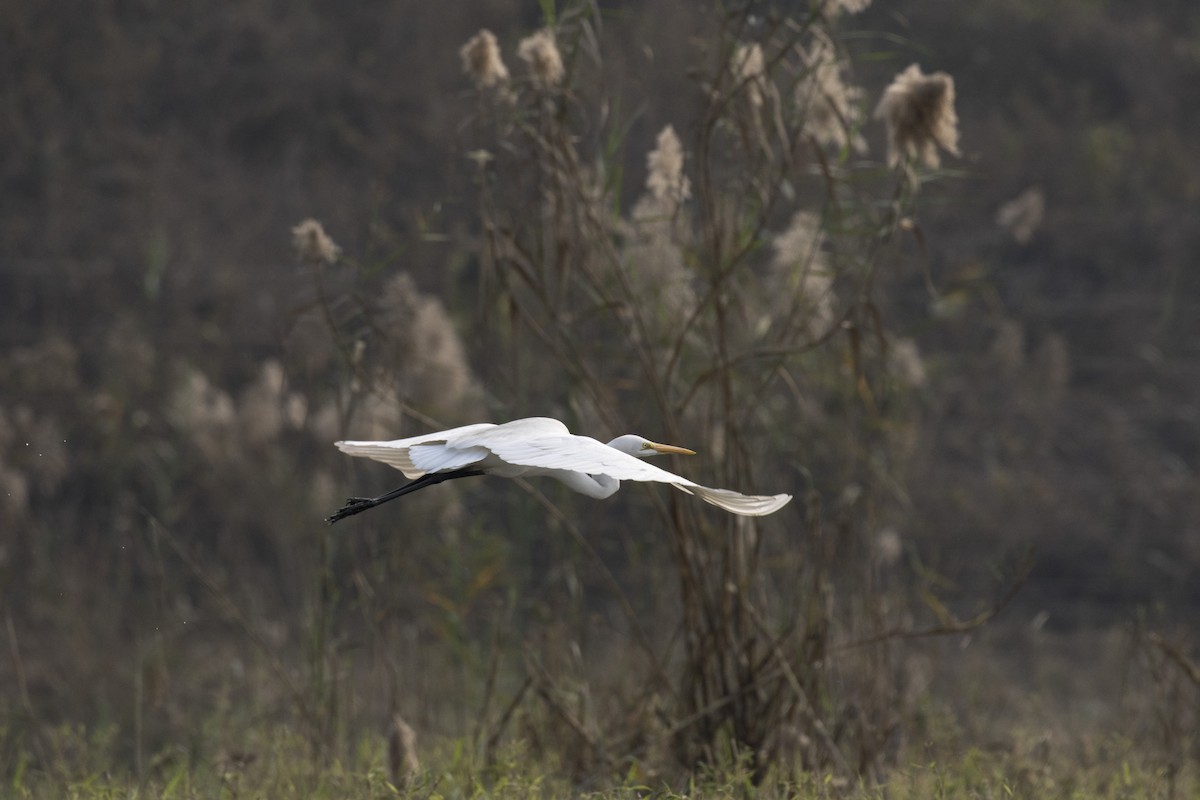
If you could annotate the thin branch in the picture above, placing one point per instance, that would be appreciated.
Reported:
(1189, 667)
(23, 689)
(953, 626)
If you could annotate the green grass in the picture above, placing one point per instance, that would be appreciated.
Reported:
(276, 762)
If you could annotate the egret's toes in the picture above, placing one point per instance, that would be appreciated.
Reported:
(353, 506)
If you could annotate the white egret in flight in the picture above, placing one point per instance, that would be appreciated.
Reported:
(537, 446)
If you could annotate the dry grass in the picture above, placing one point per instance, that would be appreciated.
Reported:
(277, 763)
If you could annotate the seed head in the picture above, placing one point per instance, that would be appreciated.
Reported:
(664, 165)
(540, 54)
(835, 7)
(906, 362)
(481, 60)
(313, 244)
(919, 112)
(801, 276)
(1022, 215)
(749, 67)
(831, 107)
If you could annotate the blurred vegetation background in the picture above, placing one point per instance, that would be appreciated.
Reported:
(1009, 361)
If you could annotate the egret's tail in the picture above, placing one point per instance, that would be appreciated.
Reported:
(387, 452)
(415, 460)
(748, 505)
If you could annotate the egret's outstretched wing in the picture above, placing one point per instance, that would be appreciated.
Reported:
(584, 454)
(576, 454)
(450, 449)
(462, 447)
(431, 453)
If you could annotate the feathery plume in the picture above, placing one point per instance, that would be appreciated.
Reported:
(749, 67)
(540, 54)
(481, 60)
(261, 406)
(664, 166)
(203, 411)
(422, 338)
(920, 117)
(756, 92)
(800, 273)
(831, 107)
(313, 244)
(1022, 215)
(196, 403)
(835, 7)
(656, 232)
(904, 359)
(888, 547)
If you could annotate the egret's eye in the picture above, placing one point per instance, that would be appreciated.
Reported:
(647, 445)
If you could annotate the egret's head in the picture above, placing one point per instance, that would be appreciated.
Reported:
(644, 448)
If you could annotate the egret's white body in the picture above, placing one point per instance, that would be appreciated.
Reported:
(538, 446)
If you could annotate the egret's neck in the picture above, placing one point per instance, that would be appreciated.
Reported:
(597, 486)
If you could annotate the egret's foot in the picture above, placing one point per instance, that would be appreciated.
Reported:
(354, 505)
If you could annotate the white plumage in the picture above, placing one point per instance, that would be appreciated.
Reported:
(538, 446)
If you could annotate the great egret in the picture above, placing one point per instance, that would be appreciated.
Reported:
(536, 446)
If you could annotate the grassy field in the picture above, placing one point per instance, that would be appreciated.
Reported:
(281, 764)
(1003, 715)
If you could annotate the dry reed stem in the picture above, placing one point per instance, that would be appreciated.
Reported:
(403, 763)
(23, 689)
(1189, 668)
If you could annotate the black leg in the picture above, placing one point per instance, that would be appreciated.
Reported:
(357, 505)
